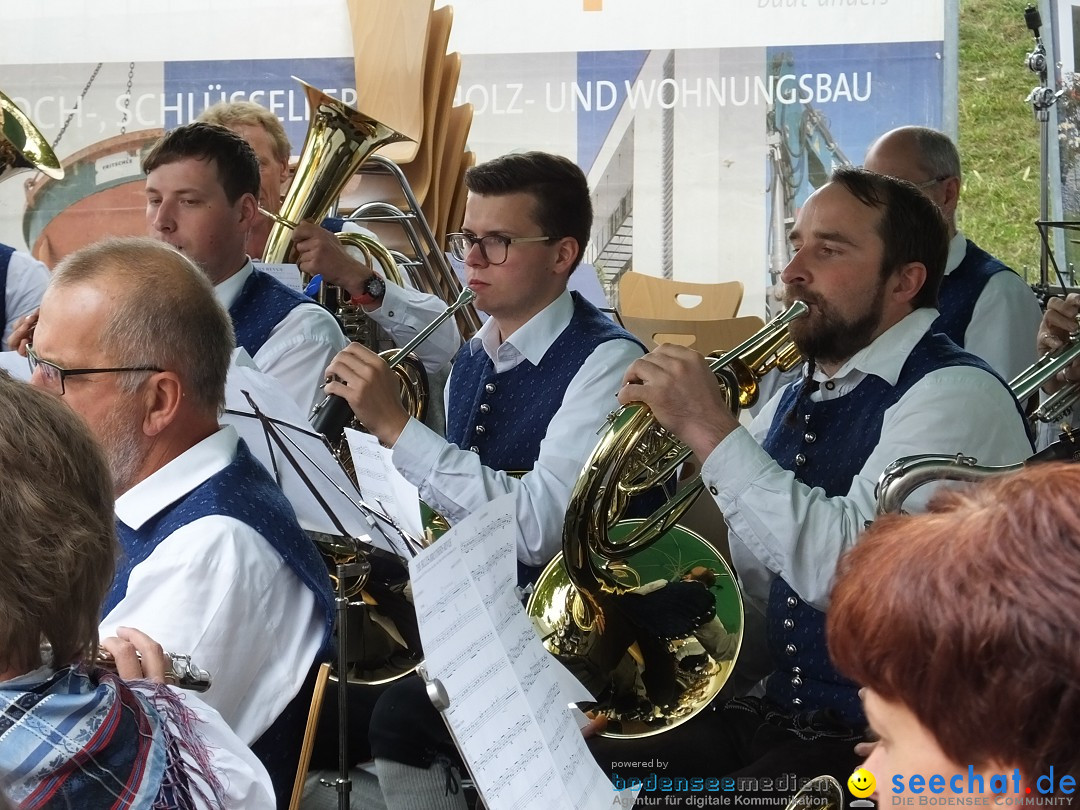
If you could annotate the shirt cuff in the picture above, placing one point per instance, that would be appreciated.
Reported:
(733, 466)
(391, 308)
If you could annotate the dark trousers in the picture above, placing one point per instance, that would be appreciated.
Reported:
(745, 747)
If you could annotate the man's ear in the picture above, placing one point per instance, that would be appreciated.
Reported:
(162, 396)
(907, 282)
(567, 255)
(249, 210)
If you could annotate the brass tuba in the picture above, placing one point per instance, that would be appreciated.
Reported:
(647, 613)
(22, 146)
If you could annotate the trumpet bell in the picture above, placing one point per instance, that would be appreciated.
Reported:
(22, 146)
(669, 638)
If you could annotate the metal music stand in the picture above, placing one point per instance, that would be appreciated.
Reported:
(1042, 98)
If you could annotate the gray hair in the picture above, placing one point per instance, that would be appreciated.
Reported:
(937, 152)
(167, 315)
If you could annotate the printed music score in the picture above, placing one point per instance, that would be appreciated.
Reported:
(382, 484)
(509, 698)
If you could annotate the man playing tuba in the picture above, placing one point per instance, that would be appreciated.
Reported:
(797, 487)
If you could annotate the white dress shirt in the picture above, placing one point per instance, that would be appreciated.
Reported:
(298, 349)
(454, 482)
(404, 312)
(779, 526)
(27, 279)
(218, 591)
(1005, 322)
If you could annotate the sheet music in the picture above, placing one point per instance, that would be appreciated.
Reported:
(15, 365)
(319, 465)
(287, 274)
(508, 707)
(381, 483)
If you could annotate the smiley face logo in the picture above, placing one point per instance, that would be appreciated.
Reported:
(861, 783)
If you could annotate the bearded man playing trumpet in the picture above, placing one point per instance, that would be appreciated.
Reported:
(797, 487)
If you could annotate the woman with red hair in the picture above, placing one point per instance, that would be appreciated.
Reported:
(962, 625)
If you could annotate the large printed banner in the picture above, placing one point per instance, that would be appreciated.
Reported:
(702, 125)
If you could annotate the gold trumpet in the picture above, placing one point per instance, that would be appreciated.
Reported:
(647, 613)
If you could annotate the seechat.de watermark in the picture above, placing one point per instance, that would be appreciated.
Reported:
(975, 789)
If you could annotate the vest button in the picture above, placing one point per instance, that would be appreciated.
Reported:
(809, 437)
(480, 430)
(485, 408)
(796, 702)
(796, 681)
(800, 459)
(789, 624)
(796, 670)
(490, 388)
(792, 602)
(791, 649)
(806, 418)
(474, 449)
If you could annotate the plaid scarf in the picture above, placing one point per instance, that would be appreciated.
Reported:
(75, 739)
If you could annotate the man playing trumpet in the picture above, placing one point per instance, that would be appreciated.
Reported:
(797, 487)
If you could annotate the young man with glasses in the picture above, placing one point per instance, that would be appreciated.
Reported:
(527, 393)
(985, 307)
(131, 337)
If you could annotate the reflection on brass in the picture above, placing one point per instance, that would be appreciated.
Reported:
(22, 146)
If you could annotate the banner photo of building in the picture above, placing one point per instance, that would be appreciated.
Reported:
(702, 126)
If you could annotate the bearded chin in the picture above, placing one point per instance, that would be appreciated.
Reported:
(831, 340)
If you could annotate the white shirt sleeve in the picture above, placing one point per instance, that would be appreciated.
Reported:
(298, 351)
(216, 590)
(246, 783)
(404, 313)
(780, 526)
(27, 279)
(1005, 325)
(454, 482)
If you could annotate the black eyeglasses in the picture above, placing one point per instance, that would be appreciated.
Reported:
(494, 247)
(52, 375)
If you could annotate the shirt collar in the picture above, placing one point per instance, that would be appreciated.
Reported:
(957, 252)
(885, 357)
(176, 479)
(531, 341)
(229, 290)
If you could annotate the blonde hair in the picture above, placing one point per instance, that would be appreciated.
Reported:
(231, 114)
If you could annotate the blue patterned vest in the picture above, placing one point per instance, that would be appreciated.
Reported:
(504, 417)
(5, 259)
(261, 305)
(245, 491)
(960, 291)
(826, 444)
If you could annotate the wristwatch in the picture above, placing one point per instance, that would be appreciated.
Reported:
(374, 289)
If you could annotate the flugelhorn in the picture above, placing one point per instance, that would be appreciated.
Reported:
(646, 613)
